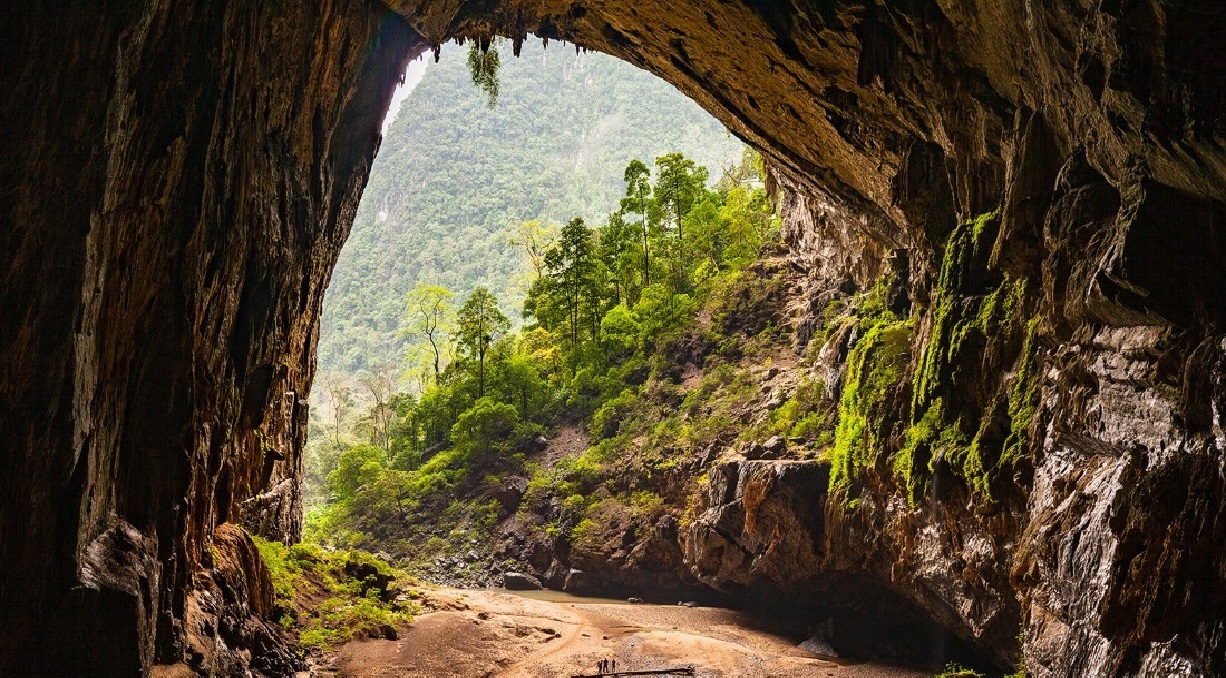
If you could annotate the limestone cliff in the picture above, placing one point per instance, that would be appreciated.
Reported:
(179, 178)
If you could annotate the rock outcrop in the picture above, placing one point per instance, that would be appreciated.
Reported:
(179, 178)
(229, 616)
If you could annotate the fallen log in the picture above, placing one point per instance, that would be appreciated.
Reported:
(676, 671)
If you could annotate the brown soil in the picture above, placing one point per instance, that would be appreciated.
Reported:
(501, 634)
(570, 441)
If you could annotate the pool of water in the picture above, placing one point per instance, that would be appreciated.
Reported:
(552, 596)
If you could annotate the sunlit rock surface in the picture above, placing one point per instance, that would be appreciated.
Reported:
(179, 178)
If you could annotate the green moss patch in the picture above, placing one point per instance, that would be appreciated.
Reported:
(876, 365)
(360, 593)
(978, 317)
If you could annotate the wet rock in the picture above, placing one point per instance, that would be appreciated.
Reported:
(519, 581)
(229, 613)
(767, 512)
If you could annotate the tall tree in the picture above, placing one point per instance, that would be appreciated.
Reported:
(616, 252)
(638, 201)
(380, 384)
(480, 325)
(679, 185)
(339, 394)
(429, 315)
(535, 238)
(570, 268)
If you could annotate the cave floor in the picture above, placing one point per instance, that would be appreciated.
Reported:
(495, 633)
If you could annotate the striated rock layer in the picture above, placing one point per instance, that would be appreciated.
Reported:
(178, 179)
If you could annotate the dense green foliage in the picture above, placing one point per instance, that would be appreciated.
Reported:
(355, 592)
(454, 178)
(595, 330)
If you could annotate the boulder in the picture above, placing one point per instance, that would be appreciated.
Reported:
(773, 448)
(372, 573)
(520, 581)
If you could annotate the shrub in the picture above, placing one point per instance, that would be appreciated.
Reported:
(486, 424)
(606, 421)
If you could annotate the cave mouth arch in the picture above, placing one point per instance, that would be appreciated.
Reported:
(857, 620)
(170, 231)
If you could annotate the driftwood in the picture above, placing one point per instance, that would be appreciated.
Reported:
(675, 671)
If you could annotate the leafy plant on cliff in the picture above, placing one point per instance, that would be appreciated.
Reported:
(483, 63)
(360, 593)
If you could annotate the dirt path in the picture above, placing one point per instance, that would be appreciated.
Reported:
(493, 633)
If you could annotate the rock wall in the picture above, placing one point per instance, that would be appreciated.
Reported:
(179, 178)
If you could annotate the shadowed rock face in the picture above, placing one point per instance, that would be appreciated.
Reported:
(179, 178)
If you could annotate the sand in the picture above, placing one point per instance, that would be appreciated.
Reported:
(495, 633)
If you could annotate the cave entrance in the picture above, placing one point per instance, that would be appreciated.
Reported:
(171, 235)
(534, 473)
(472, 188)
(476, 191)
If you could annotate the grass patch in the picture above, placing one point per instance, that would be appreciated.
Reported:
(957, 671)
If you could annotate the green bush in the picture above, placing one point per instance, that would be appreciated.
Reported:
(353, 608)
(485, 425)
(608, 418)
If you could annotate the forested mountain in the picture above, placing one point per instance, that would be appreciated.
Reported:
(617, 314)
(455, 176)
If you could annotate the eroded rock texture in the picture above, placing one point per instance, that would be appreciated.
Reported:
(178, 179)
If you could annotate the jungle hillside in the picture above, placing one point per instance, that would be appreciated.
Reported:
(456, 176)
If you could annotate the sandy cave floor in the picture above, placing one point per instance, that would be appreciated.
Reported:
(496, 633)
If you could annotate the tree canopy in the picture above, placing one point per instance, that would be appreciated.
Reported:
(454, 179)
(607, 307)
